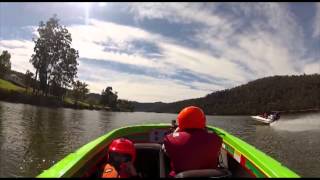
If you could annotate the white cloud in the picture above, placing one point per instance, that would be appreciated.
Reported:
(89, 39)
(266, 57)
(316, 25)
(174, 56)
(208, 87)
(101, 31)
(20, 51)
(133, 87)
(312, 68)
(140, 87)
(272, 43)
(175, 12)
(201, 62)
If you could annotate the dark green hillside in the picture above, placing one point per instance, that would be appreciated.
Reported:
(281, 93)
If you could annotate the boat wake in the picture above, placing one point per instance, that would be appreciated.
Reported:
(298, 123)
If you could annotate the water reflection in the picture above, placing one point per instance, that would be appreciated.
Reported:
(33, 138)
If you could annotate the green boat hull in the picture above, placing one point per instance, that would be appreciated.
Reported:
(252, 160)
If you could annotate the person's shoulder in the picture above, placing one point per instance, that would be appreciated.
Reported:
(167, 137)
(175, 135)
(213, 135)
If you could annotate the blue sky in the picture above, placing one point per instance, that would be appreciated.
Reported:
(172, 51)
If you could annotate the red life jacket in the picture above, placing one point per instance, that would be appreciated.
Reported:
(192, 149)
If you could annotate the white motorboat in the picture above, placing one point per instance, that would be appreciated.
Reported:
(264, 120)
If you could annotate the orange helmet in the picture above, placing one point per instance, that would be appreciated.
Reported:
(191, 117)
(123, 146)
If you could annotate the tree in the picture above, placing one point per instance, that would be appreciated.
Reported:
(79, 91)
(28, 79)
(54, 59)
(36, 63)
(109, 98)
(5, 64)
(125, 105)
(105, 95)
(277, 93)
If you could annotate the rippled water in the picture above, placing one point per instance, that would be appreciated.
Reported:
(34, 138)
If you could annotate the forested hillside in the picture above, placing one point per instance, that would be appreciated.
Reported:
(280, 93)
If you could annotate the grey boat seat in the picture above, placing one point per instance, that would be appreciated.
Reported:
(208, 173)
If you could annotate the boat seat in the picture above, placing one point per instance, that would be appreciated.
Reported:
(154, 146)
(147, 154)
(212, 173)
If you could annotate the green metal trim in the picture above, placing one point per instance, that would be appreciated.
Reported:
(265, 163)
(229, 149)
(254, 170)
(248, 164)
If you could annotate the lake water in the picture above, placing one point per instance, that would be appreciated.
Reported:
(34, 138)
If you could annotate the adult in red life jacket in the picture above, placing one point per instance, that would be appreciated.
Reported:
(121, 156)
(191, 146)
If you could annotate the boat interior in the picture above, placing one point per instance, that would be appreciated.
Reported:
(151, 161)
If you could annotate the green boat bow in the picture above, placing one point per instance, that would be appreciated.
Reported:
(257, 163)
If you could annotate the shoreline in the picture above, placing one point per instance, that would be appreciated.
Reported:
(53, 102)
(41, 101)
(287, 112)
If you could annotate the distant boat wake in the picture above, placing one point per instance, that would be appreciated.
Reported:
(306, 122)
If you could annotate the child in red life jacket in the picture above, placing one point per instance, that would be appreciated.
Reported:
(121, 156)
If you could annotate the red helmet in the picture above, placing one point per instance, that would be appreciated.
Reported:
(123, 146)
(191, 117)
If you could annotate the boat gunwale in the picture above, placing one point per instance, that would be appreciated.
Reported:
(271, 168)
